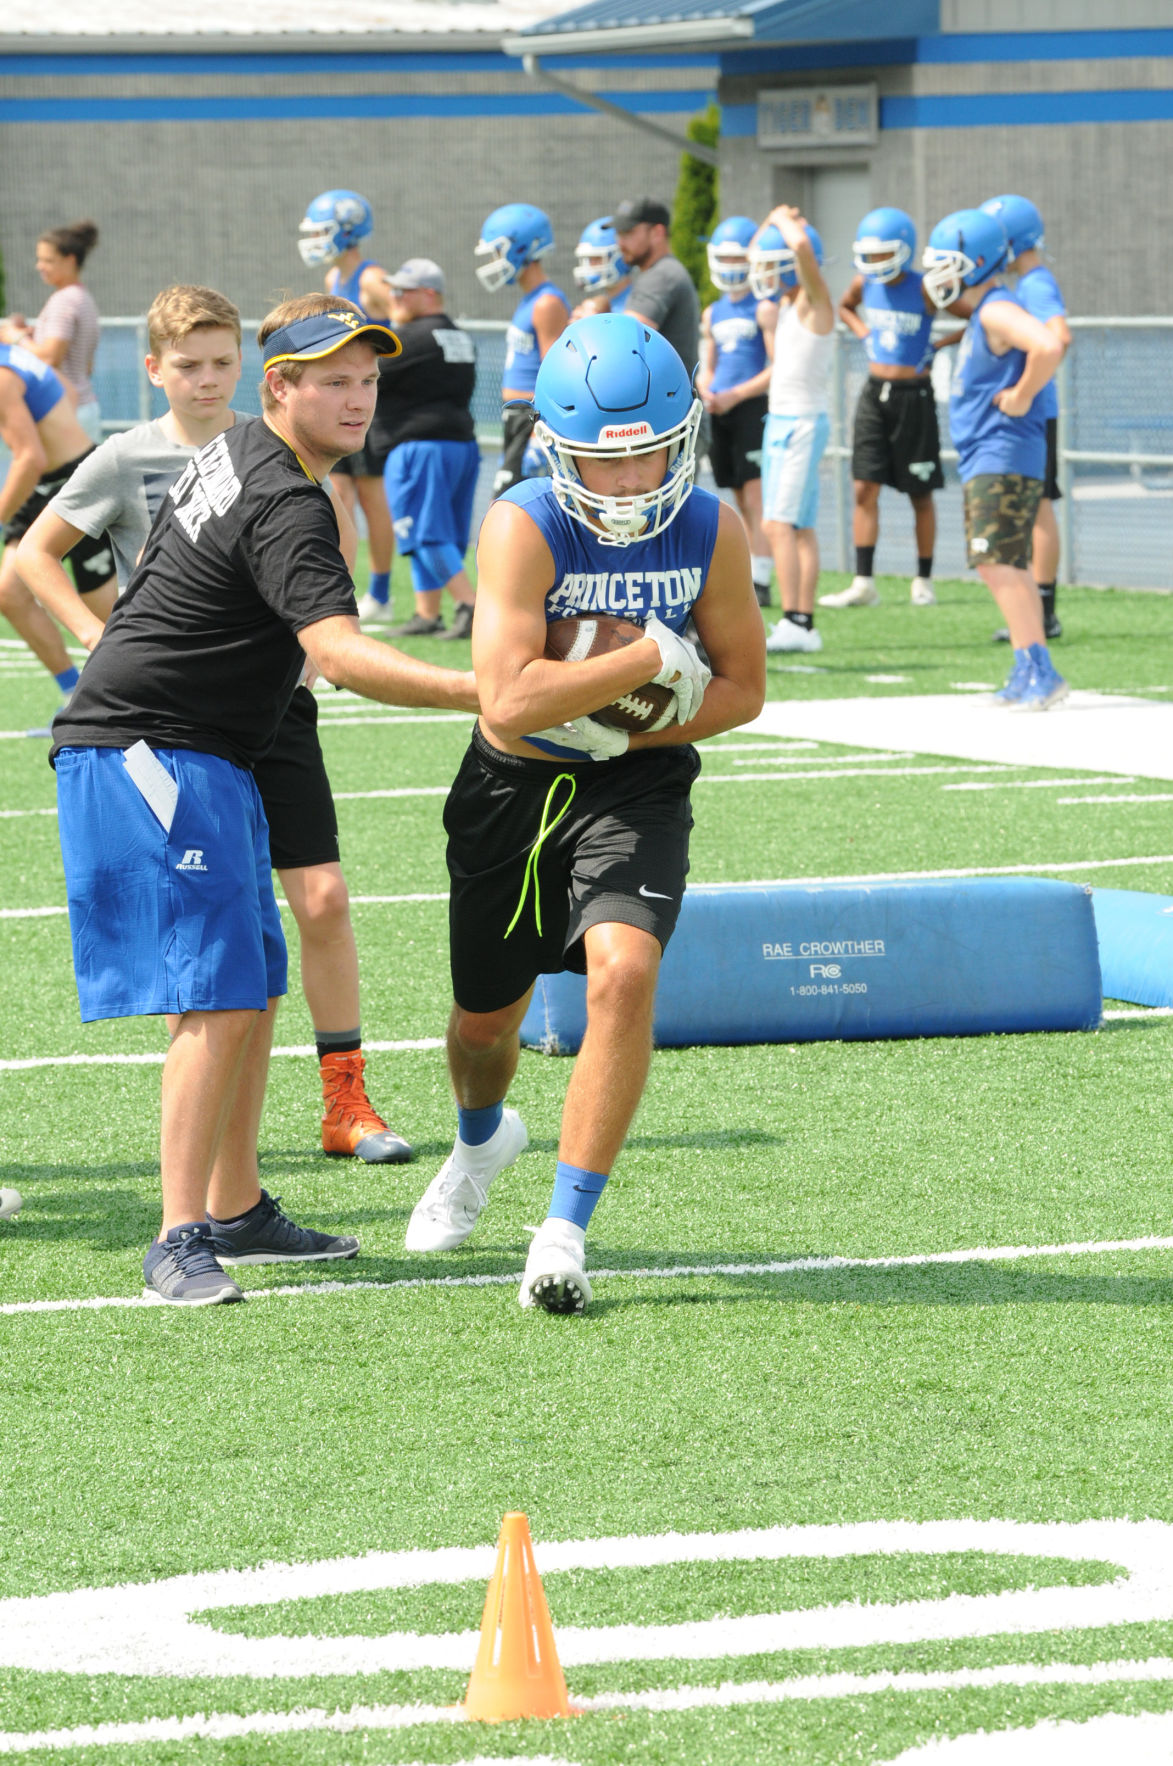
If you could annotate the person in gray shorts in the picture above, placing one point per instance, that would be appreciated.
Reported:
(195, 358)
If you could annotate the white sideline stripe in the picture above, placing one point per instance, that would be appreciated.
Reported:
(1127, 797)
(1139, 1012)
(1075, 864)
(845, 760)
(448, 717)
(156, 1059)
(1039, 785)
(395, 791)
(669, 1272)
(804, 1688)
(863, 772)
(8, 814)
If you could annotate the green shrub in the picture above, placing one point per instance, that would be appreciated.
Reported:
(694, 213)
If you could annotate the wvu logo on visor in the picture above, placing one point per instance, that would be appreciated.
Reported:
(309, 340)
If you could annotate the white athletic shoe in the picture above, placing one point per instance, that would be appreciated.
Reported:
(861, 591)
(448, 1209)
(375, 612)
(921, 593)
(788, 636)
(555, 1275)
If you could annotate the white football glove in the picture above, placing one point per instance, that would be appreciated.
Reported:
(682, 668)
(584, 733)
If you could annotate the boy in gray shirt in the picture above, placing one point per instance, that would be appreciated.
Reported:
(195, 358)
(664, 294)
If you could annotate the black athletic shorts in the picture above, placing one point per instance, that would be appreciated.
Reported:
(299, 805)
(896, 441)
(1051, 480)
(517, 428)
(735, 443)
(616, 849)
(91, 561)
(367, 463)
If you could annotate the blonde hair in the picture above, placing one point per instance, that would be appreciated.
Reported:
(299, 306)
(179, 311)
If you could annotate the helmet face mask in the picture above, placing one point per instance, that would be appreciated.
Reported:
(964, 250)
(333, 222)
(611, 389)
(772, 265)
(599, 264)
(885, 244)
(512, 237)
(728, 254)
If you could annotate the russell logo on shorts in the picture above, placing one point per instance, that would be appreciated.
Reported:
(192, 860)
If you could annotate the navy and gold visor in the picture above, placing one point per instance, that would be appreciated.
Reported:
(309, 340)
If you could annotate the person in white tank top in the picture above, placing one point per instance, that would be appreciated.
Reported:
(785, 257)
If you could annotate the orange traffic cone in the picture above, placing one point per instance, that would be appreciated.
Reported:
(517, 1673)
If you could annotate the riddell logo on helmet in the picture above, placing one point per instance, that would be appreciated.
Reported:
(625, 431)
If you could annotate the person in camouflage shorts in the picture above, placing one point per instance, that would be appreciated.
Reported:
(1000, 510)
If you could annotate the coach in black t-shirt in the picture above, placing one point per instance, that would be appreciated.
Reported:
(162, 832)
(425, 419)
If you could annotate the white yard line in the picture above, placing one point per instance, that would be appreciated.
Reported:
(666, 1272)
(1128, 797)
(1038, 785)
(156, 1059)
(859, 772)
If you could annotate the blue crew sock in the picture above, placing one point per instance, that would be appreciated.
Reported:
(479, 1126)
(576, 1193)
(379, 587)
(67, 680)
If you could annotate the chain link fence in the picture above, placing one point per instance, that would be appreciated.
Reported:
(1115, 445)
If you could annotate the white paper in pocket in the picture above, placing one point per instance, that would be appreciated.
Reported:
(159, 790)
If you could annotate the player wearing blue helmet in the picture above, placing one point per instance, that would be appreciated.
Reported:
(568, 839)
(1006, 358)
(600, 270)
(785, 258)
(1039, 293)
(895, 439)
(513, 243)
(330, 237)
(732, 381)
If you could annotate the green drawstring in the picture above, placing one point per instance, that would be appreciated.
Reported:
(545, 829)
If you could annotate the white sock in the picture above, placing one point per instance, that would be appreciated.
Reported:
(763, 569)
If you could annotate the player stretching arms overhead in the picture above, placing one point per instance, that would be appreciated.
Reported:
(194, 339)
(331, 235)
(1038, 291)
(895, 440)
(732, 382)
(163, 834)
(513, 242)
(999, 430)
(568, 841)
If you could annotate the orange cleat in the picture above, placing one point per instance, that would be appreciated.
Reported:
(351, 1127)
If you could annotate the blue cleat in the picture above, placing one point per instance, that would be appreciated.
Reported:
(1018, 681)
(266, 1235)
(1046, 687)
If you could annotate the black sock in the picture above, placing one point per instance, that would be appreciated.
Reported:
(865, 560)
(924, 566)
(337, 1042)
(1047, 591)
(238, 1218)
(805, 620)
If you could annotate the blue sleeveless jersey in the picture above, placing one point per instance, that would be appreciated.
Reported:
(523, 358)
(348, 289)
(664, 575)
(741, 348)
(985, 439)
(620, 300)
(899, 326)
(1039, 293)
(43, 387)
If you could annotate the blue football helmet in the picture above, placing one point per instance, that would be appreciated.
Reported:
(885, 244)
(598, 262)
(966, 248)
(333, 222)
(1022, 221)
(611, 386)
(771, 262)
(728, 254)
(512, 236)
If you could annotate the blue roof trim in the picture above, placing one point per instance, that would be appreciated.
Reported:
(253, 108)
(1001, 46)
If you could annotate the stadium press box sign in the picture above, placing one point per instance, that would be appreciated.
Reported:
(819, 116)
(856, 961)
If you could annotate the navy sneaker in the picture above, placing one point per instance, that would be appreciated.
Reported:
(182, 1269)
(266, 1235)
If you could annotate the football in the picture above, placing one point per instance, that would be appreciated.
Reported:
(574, 640)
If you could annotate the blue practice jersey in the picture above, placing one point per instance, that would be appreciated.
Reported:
(523, 357)
(741, 348)
(43, 386)
(664, 575)
(986, 440)
(899, 324)
(1039, 293)
(619, 298)
(347, 288)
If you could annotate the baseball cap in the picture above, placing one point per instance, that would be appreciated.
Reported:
(635, 209)
(308, 340)
(418, 273)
